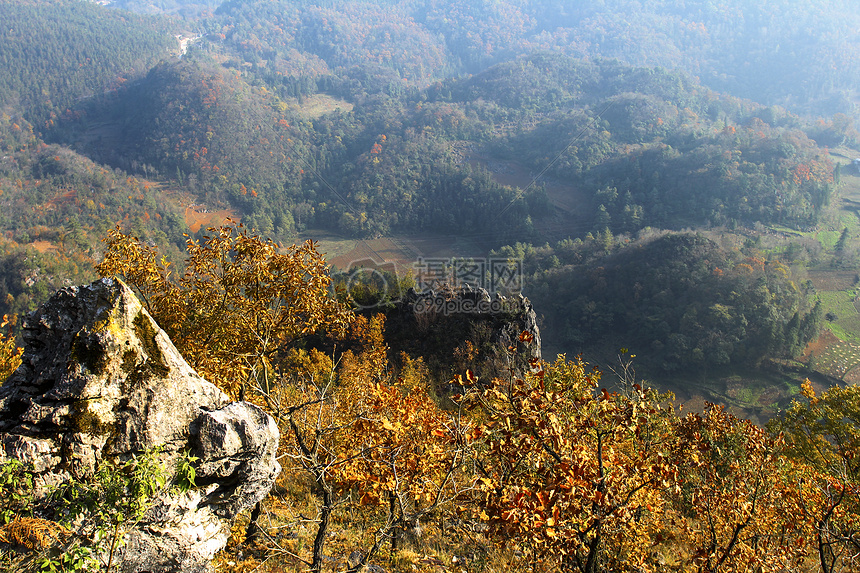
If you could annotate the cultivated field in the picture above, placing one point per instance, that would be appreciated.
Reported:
(397, 252)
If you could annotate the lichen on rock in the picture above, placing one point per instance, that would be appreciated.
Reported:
(100, 380)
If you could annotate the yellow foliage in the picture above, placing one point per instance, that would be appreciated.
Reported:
(238, 304)
(570, 475)
(313, 365)
(739, 505)
(414, 373)
(368, 358)
(10, 353)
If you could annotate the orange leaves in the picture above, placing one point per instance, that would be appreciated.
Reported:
(801, 173)
(377, 149)
(563, 465)
(737, 497)
(437, 433)
(817, 170)
(409, 445)
(10, 353)
(31, 532)
(821, 438)
(239, 300)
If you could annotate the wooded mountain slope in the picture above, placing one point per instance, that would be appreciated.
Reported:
(56, 53)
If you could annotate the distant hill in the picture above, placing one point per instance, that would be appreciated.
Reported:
(680, 302)
(798, 54)
(503, 122)
(184, 8)
(55, 52)
(646, 147)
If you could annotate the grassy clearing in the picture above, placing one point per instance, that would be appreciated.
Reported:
(851, 325)
(401, 251)
(833, 280)
(846, 326)
(329, 244)
(849, 184)
(839, 302)
(840, 333)
(319, 105)
(849, 217)
(789, 231)
(828, 238)
(753, 394)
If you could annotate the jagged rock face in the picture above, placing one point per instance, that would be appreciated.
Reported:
(437, 324)
(100, 380)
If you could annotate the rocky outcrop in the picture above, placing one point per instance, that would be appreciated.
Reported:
(458, 328)
(99, 380)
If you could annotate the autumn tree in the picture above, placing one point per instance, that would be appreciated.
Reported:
(570, 476)
(240, 302)
(417, 461)
(377, 446)
(822, 435)
(735, 504)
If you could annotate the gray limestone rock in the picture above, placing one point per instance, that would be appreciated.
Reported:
(100, 380)
(237, 445)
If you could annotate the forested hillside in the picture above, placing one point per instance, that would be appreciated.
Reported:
(787, 53)
(644, 147)
(674, 183)
(365, 173)
(680, 302)
(57, 205)
(57, 53)
(355, 118)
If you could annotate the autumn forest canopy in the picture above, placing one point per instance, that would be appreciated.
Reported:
(675, 182)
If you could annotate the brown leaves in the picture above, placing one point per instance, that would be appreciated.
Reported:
(239, 302)
(31, 532)
(563, 467)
